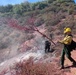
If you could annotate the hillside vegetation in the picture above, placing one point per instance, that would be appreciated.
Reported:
(49, 17)
(50, 12)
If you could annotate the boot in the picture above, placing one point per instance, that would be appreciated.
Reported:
(62, 67)
(74, 63)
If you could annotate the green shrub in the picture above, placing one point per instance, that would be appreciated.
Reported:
(39, 22)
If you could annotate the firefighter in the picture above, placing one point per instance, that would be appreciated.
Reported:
(69, 45)
(47, 46)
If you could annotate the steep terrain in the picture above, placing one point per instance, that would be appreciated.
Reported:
(35, 49)
(23, 34)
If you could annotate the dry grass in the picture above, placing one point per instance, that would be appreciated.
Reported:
(31, 68)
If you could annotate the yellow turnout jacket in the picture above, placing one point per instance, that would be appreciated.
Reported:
(67, 40)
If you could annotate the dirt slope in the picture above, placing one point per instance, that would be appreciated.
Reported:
(36, 50)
